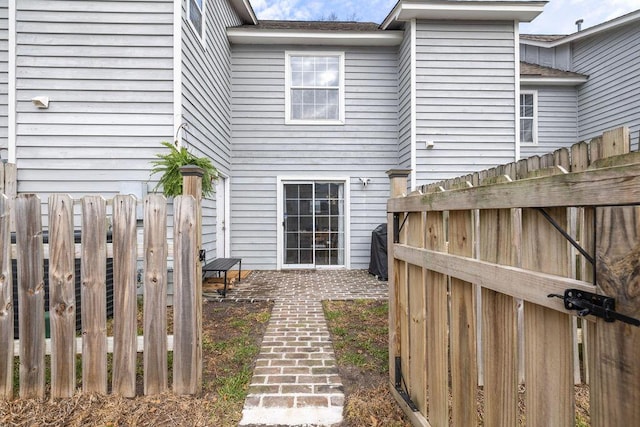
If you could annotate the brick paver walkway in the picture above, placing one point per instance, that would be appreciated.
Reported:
(296, 381)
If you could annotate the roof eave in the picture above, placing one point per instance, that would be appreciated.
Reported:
(606, 26)
(245, 11)
(519, 11)
(337, 38)
(552, 81)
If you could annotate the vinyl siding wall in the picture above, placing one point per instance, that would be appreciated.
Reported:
(265, 148)
(206, 83)
(611, 96)
(466, 97)
(557, 57)
(4, 77)
(404, 101)
(107, 68)
(557, 120)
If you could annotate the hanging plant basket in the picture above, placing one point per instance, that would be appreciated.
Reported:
(168, 165)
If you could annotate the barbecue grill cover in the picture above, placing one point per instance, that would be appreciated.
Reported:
(378, 263)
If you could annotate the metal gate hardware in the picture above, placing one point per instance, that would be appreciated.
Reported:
(597, 305)
(397, 227)
(400, 382)
(567, 236)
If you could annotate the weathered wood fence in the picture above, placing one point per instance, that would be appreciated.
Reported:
(94, 250)
(465, 254)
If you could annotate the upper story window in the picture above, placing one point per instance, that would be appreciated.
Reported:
(314, 88)
(196, 15)
(529, 117)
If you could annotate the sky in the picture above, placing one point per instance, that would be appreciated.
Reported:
(559, 16)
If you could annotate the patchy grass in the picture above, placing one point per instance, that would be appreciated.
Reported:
(359, 330)
(231, 338)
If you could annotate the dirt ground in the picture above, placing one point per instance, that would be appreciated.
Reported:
(232, 333)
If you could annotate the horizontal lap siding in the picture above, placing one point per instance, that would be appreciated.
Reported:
(557, 120)
(4, 78)
(265, 148)
(107, 68)
(611, 96)
(466, 97)
(557, 57)
(404, 102)
(206, 67)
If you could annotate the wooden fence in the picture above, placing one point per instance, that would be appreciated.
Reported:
(465, 254)
(94, 250)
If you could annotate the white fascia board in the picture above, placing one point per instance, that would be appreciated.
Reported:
(280, 37)
(465, 10)
(552, 81)
(606, 26)
(245, 11)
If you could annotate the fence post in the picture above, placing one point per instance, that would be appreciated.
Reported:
(192, 186)
(398, 186)
(6, 306)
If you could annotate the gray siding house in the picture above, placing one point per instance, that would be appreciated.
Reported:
(590, 81)
(302, 119)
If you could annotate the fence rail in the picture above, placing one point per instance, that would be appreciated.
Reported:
(62, 252)
(473, 261)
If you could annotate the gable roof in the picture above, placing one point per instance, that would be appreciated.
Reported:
(244, 10)
(317, 25)
(533, 74)
(550, 41)
(331, 33)
(507, 10)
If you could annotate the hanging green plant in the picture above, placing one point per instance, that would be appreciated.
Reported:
(169, 166)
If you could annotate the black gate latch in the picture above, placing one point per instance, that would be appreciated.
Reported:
(597, 305)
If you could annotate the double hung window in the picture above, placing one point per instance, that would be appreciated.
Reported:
(196, 16)
(528, 118)
(315, 88)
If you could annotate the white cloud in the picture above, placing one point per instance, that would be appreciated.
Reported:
(559, 16)
(363, 10)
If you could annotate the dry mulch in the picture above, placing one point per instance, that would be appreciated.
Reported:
(232, 333)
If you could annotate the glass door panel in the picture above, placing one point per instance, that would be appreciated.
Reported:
(314, 224)
(298, 224)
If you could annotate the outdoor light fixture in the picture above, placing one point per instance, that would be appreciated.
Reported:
(365, 181)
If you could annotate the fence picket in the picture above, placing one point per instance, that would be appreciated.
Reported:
(548, 333)
(124, 293)
(155, 295)
(464, 368)
(617, 250)
(6, 303)
(62, 303)
(184, 298)
(437, 327)
(94, 303)
(500, 350)
(416, 292)
(30, 295)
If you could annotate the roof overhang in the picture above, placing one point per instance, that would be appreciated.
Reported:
(605, 26)
(242, 35)
(405, 10)
(245, 11)
(552, 81)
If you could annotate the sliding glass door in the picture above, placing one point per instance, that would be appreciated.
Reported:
(314, 224)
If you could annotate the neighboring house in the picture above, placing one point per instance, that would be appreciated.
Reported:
(302, 119)
(606, 91)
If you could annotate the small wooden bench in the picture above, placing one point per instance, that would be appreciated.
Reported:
(222, 265)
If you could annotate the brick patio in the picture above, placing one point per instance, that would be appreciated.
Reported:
(296, 381)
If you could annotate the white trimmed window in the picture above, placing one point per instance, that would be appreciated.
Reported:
(529, 117)
(196, 16)
(314, 88)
